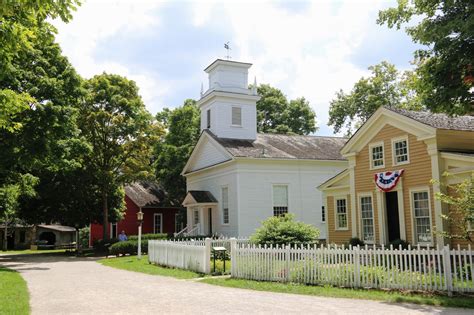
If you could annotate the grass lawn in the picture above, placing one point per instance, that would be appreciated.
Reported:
(131, 263)
(14, 294)
(31, 252)
(327, 291)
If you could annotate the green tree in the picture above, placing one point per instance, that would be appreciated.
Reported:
(460, 217)
(385, 87)
(172, 153)
(276, 114)
(445, 63)
(284, 230)
(19, 21)
(120, 131)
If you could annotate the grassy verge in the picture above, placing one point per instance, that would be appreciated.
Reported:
(31, 252)
(131, 263)
(327, 291)
(14, 296)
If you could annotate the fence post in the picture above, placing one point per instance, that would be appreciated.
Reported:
(287, 258)
(448, 276)
(233, 261)
(207, 256)
(357, 265)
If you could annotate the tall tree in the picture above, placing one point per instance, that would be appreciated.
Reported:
(276, 114)
(385, 87)
(172, 153)
(37, 85)
(120, 131)
(445, 65)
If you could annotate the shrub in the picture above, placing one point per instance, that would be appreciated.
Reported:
(84, 237)
(396, 244)
(285, 230)
(128, 247)
(102, 246)
(161, 236)
(355, 241)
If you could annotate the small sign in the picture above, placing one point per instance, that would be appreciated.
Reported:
(219, 249)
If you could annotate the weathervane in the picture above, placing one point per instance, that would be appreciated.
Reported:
(227, 47)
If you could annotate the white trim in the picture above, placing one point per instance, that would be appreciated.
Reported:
(222, 205)
(336, 221)
(412, 210)
(359, 197)
(457, 157)
(371, 155)
(398, 139)
(161, 222)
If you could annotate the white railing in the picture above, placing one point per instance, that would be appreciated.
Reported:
(185, 255)
(441, 269)
(180, 233)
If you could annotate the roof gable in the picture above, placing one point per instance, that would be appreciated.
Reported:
(338, 181)
(207, 152)
(377, 121)
(145, 194)
(199, 197)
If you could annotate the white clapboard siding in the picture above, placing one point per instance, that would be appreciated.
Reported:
(423, 269)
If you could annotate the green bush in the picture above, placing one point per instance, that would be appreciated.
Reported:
(161, 236)
(103, 245)
(396, 244)
(355, 241)
(285, 230)
(128, 247)
(84, 237)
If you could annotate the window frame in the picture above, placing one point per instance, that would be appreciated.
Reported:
(360, 196)
(232, 116)
(287, 199)
(336, 214)
(394, 157)
(112, 224)
(208, 118)
(414, 217)
(161, 222)
(196, 214)
(222, 205)
(371, 155)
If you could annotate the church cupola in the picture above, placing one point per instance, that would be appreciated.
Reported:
(228, 107)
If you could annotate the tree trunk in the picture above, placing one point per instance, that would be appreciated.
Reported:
(5, 235)
(105, 208)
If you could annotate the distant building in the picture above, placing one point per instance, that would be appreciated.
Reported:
(236, 177)
(158, 215)
(47, 235)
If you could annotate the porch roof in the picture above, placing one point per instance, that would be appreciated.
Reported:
(199, 197)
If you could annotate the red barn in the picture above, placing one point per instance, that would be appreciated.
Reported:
(158, 216)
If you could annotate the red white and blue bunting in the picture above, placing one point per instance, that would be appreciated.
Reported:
(387, 181)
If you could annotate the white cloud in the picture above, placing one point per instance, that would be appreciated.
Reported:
(95, 21)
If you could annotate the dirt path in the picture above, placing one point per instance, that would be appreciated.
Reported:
(68, 285)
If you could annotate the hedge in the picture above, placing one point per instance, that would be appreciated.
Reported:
(128, 247)
(161, 236)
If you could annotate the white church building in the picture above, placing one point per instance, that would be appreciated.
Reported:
(236, 177)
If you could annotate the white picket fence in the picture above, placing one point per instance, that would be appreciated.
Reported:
(417, 268)
(191, 254)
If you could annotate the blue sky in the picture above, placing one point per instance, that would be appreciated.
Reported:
(305, 48)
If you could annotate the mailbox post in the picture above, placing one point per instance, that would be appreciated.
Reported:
(217, 250)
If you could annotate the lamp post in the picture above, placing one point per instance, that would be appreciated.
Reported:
(140, 221)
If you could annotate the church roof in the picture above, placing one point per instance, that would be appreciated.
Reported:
(146, 194)
(438, 120)
(280, 146)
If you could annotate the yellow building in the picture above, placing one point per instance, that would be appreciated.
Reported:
(386, 193)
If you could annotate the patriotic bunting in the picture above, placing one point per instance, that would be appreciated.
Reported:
(387, 181)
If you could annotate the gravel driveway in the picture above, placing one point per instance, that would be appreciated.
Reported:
(69, 285)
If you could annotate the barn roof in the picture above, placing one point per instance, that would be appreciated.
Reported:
(146, 194)
(280, 146)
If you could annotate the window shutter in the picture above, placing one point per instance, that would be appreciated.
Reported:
(236, 116)
(208, 118)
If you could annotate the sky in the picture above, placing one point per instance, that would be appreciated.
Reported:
(305, 48)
